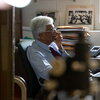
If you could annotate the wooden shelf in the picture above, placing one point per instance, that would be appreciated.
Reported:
(69, 27)
(69, 48)
(67, 44)
(70, 35)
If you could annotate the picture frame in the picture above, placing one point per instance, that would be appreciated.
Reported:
(80, 16)
(52, 14)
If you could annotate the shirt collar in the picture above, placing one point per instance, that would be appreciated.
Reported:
(42, 45)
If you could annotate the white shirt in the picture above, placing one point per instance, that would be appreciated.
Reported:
(55, 47)
(40, 59)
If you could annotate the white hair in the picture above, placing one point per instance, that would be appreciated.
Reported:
(38, 25)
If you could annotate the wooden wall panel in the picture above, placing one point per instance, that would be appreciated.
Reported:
(18, 24)
(6, 56)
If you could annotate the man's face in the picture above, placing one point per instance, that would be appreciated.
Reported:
(59, 36)
(49, 35)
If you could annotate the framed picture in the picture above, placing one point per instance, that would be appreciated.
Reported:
(50, 14)
(80, 16)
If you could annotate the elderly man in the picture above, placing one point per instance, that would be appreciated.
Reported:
(39, 55)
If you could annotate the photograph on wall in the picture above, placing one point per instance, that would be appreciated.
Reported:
(80, 15)
(44, 13)
(77, 17)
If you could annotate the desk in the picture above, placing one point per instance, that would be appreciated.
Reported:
(95, 69)
(97, 58)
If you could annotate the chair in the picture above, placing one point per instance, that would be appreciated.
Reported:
(24, 69)
(20, 91)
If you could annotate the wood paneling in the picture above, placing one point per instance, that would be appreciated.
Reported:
(6, 56)
(18, 24)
